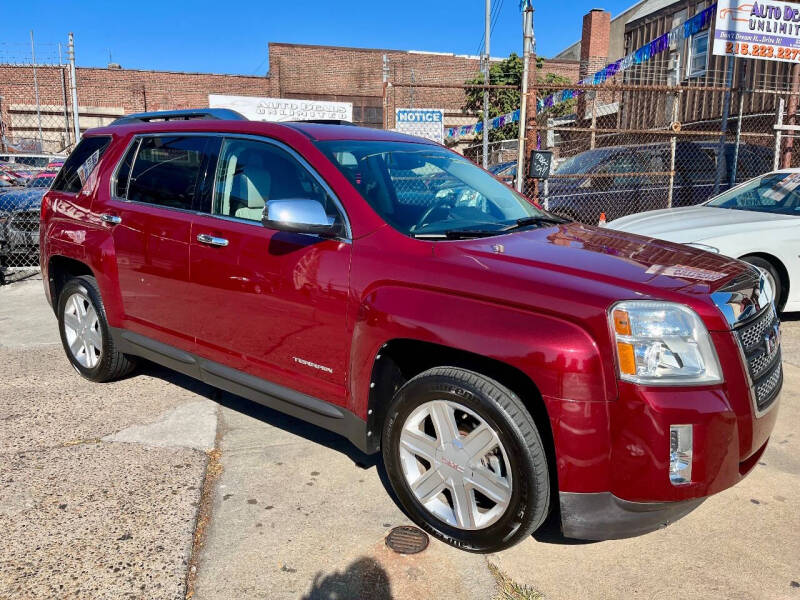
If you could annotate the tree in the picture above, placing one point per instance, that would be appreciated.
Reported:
(503, 101)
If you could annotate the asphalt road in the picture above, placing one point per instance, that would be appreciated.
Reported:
(158, 486)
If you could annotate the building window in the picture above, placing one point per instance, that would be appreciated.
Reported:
(698, 54)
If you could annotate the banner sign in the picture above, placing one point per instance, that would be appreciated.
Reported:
(766, 31)
(422, 122)
(494, 123)
(283, 109)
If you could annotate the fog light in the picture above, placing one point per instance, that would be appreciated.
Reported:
(680, 454)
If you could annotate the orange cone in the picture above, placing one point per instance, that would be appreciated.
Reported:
(602, 221)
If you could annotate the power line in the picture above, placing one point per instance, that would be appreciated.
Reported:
(495, 13)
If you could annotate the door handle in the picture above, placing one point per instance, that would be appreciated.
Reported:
(204, 238)
(110, 219)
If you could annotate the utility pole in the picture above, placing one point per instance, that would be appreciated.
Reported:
(487, 26)
(62, 73)
(73, 87)
(385, 76)
(36, 94)
(2, 128)
(726, 107)
(527, 46)
(786, 159)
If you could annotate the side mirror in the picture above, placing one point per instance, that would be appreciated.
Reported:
(299, 215)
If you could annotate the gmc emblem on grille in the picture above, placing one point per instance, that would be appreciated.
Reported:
(772, 338)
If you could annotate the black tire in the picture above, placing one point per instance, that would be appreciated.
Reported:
(764, 264)
(503, 412)
(112, 364)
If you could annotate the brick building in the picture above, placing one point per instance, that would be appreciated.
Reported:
(688, 62)
(416, 79)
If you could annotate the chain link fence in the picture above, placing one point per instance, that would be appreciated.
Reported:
(36, 135)
(638, 143)
(645, 139)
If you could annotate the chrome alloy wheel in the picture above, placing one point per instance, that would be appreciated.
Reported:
(82, 330)
(455, 465)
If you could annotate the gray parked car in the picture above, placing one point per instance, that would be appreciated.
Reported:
(19, 227)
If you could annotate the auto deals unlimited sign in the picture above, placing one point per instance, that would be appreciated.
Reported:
(762, 30)
(283, 109)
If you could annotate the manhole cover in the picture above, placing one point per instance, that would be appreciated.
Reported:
(407, 540)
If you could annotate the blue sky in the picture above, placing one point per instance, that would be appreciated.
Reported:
(232, 37)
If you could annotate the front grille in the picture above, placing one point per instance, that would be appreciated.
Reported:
(760, 343)
(751, 334)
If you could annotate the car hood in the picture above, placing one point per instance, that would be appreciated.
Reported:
(574, 263)
(694, 223)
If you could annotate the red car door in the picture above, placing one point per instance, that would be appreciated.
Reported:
(151, 211)
(271, 304)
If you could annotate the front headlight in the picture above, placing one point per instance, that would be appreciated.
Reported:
(662, 343)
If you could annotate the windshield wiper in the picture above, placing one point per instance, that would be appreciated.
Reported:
(539, 220)
(462, 234)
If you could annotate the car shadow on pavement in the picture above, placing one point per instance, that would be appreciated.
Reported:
(364, 578)
(550, 532)
(252, 409)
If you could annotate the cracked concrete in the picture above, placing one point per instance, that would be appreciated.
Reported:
(100, 486)
(190, 425)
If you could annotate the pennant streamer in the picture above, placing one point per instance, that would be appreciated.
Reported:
(683, 31)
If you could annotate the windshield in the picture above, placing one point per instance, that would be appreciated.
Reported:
(428, 191)
(774, 193)
(584, 162)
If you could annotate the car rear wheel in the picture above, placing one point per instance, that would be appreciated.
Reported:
(773, 277)
(85, 334)
(466, 460)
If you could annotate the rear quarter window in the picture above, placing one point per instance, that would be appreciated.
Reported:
(80, 164)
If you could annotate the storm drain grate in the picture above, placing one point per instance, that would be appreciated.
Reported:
(407, 539)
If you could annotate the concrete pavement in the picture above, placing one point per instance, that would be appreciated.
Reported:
(112, 491)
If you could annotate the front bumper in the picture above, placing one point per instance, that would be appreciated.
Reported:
(603, 516)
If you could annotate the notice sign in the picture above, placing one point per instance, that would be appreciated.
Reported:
(283, 109)
(763, 30)
(422, 122)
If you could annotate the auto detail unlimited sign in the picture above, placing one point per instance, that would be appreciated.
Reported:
(422, 122)
(762, 30)
(283, 109)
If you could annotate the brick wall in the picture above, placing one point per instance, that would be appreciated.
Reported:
(355, 75)
(595, 39)
(295, 71)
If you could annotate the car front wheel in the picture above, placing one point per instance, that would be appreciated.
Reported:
(466, 460)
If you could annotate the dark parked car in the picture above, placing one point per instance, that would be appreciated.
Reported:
(19, 227)
(620, 180)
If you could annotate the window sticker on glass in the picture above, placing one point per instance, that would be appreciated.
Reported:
(88, 166)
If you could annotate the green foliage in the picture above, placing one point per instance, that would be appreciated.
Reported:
(502, 101)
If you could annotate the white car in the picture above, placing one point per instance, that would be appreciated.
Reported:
(757, 221)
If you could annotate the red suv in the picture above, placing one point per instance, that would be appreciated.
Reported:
(506, 363)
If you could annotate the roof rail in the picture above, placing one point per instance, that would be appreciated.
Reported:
(181, 115)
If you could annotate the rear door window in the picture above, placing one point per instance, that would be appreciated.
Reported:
(80, 164)
(168, 170)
